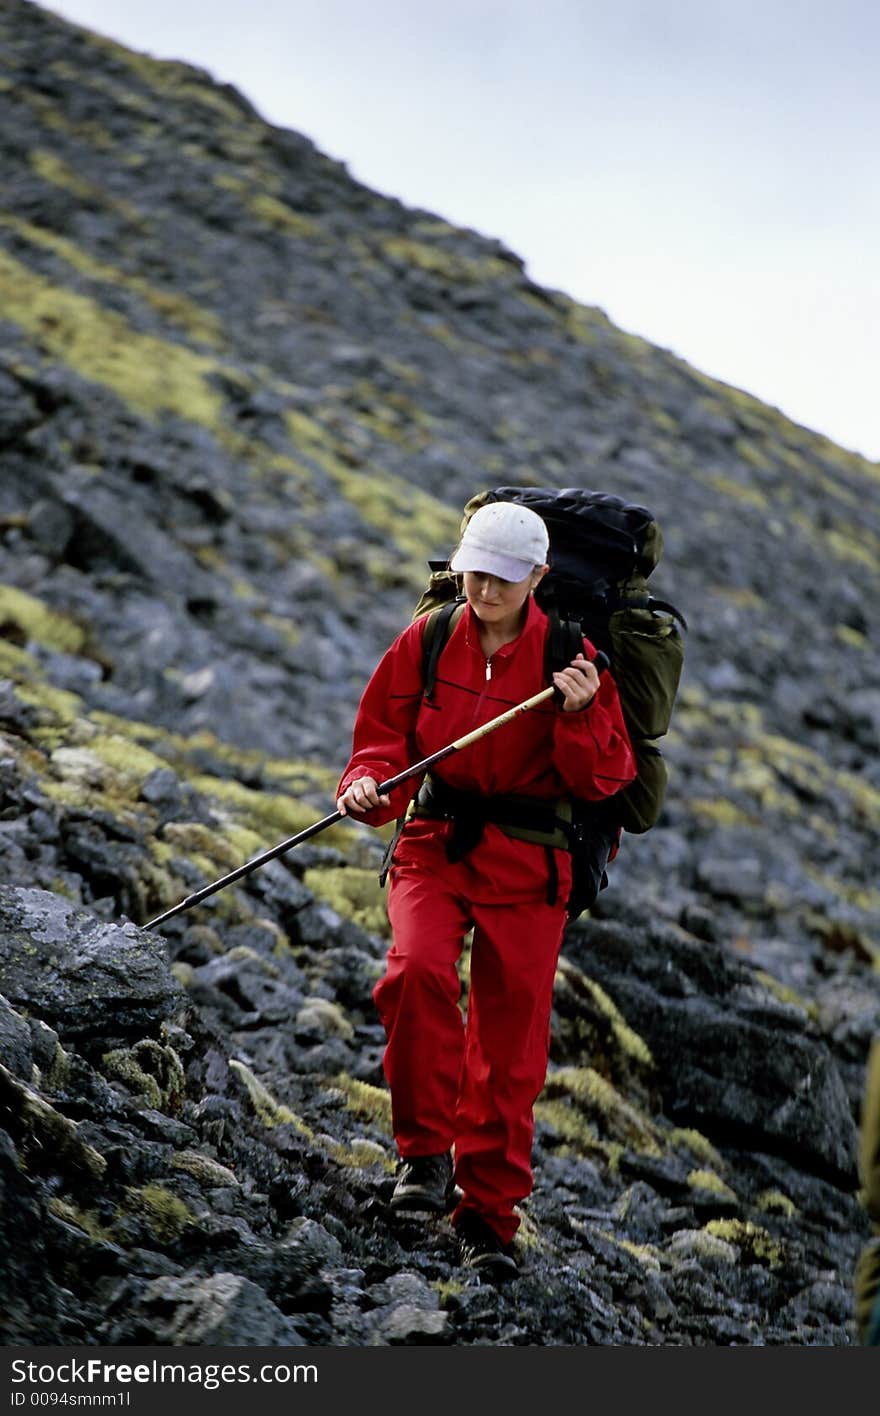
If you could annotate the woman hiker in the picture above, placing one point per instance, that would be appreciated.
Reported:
(460, 863)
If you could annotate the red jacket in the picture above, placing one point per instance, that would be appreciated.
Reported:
(546, 752)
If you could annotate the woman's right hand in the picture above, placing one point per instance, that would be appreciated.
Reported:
(362, 795)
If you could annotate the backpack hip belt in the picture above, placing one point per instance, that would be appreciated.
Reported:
(525, 818)
(579, 828)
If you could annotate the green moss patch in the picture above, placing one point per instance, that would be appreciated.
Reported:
(445, 264)
(166, 1214)
(579, 1135)
(175, 308)
(355, 894)
(151, 1071)
(754, 1243)
(775, 1202)
(149, 374)
(708, 1180)
(369, 1102)
(272, 1113)
(205, 1171)
(86, 1220)
(267, 813)
(697, 1144)
(573, 989)
(597, 1099)
(24, 617)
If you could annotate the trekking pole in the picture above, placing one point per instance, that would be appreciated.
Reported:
(601, 663)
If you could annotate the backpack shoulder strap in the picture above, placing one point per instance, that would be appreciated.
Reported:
(439, 625)
(565, 639)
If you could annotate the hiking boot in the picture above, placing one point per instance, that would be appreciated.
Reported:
(483, 1251)
(424, 1182)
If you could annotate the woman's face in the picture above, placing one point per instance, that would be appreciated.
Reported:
(497, 603)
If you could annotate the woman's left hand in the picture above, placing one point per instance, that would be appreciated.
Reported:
(578, 684)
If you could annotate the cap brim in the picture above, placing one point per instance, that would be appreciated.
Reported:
(489, 563)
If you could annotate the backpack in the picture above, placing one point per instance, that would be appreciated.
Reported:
(602, 552)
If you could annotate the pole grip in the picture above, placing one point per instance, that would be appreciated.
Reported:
(600, 662)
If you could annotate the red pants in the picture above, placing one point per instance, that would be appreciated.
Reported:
(469, 1085)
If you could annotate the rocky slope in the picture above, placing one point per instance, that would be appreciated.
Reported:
(242, 399)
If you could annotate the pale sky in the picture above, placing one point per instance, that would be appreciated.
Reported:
(705, 171)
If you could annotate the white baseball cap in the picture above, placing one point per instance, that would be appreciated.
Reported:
(502, 539)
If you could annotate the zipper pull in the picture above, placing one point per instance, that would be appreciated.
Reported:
(488, 669)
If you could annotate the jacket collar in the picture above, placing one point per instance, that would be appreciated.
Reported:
(535, 621)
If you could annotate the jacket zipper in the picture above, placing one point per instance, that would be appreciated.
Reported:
(488, 669)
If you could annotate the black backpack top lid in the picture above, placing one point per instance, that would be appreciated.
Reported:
(594, 536)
